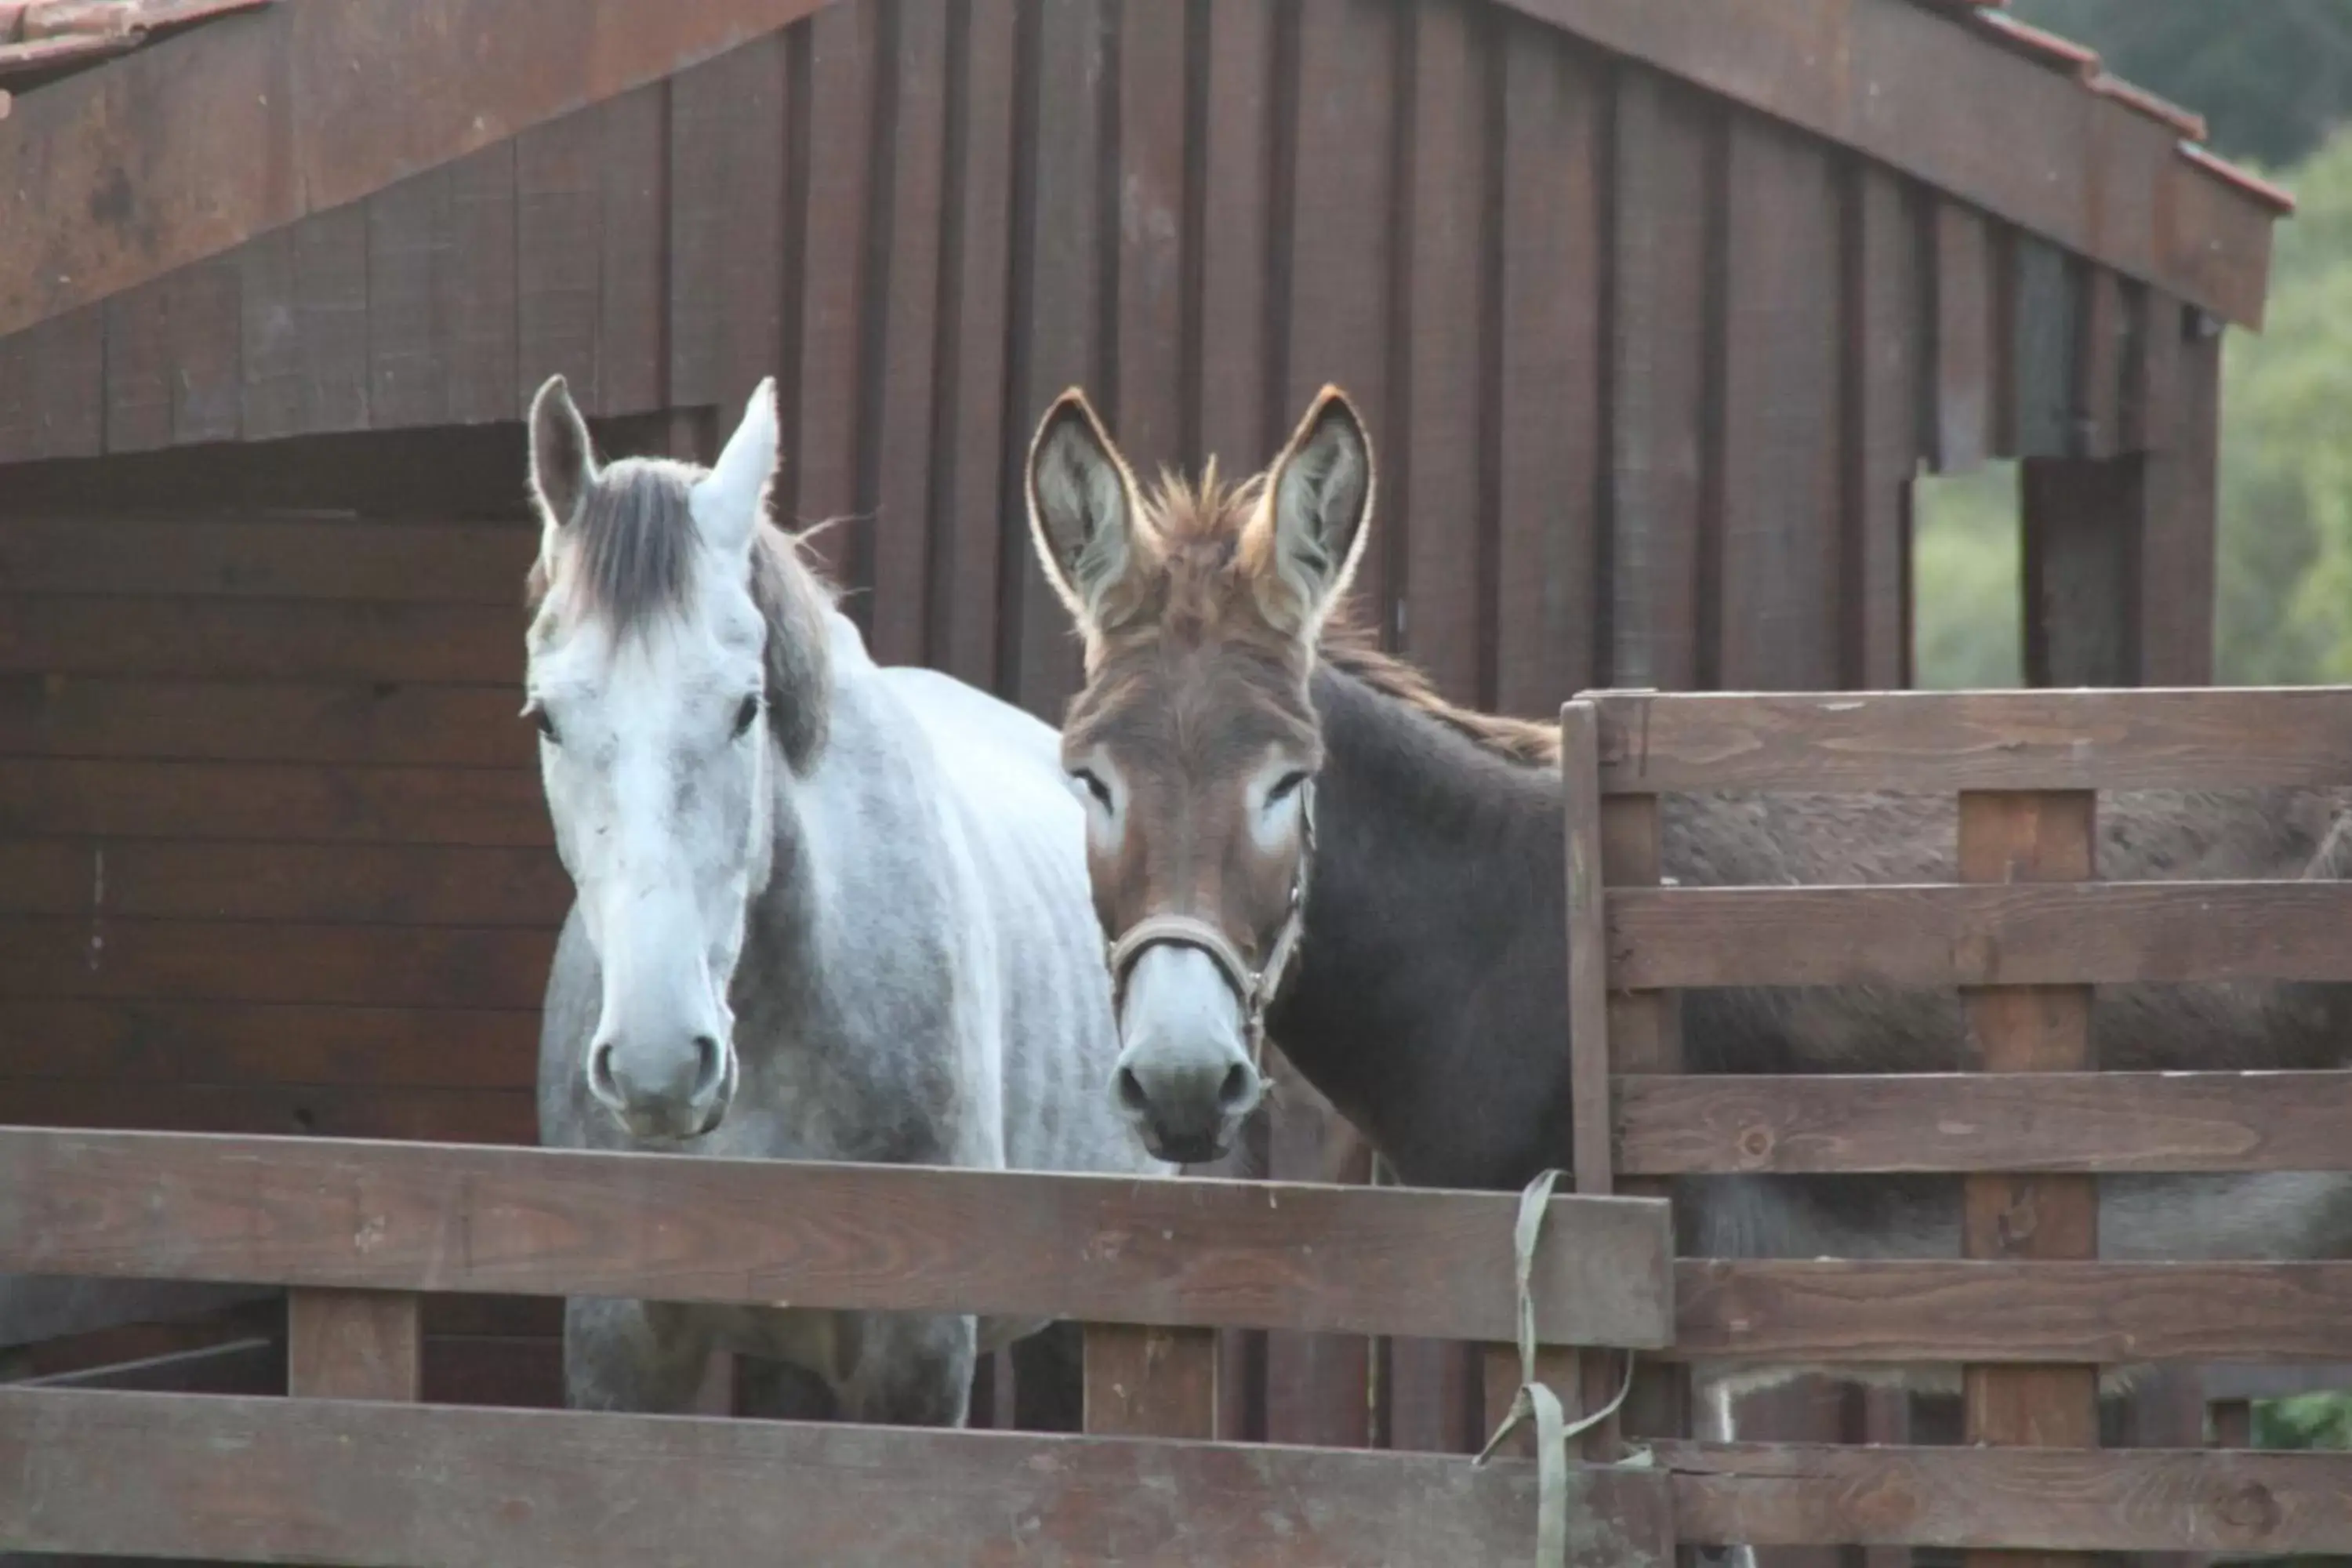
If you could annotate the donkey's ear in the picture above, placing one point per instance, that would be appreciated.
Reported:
(730, 501)
(1083, 514)
(1308, 532)
(563, 459)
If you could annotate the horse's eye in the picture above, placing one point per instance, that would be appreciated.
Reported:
(539, 716)
(1285, 787)
(1095, 787)
(746, 716)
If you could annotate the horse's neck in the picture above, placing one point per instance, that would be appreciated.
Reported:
(1430, 1004)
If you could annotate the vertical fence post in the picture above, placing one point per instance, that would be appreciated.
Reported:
(353, 1344)
(1150, 1382)
(2042, 837)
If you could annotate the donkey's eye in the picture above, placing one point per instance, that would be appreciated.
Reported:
(745, 716)
(539, 716)
(1285, 787)
(1095, 787)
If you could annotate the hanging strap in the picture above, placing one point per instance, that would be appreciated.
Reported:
(1535, 1402)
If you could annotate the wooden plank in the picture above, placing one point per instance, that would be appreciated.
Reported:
(193, 721)
(70, 382)
(632, 312)
(206, 330)
(2084, 525)
(2103, 350)
(909, 296)
(20, 427)
(269, 350)
(409, 236)
(846, 188)
(2153, 739)
(274, 559)
(352, 1344)
(1441, 523)
(345, 883)
(1778, 494)
(976, 448)
(2045, 325)
(2094, 1121)
(283, 128)
(320, 640)
(37, 1308)
(2150, 1501)
(474, 1116)
(1238, 419)
(330, 264)
(390, 1484)
(1885, 371)
(728, 160)
(1152, 238)
(2181, 484)
(559, 230)
(1318, 1386)
(392, 966)
(139, 369)
(1068, 231)
(2102, 933)
(228, 1044)
(145, 799)
(1191, 1253)
(474, 285)
(1150, 1382)
(1343, 241)
(1963, 284)
(1665, 140)
(2151, 392)
(2012, 1312)
(2014, 840)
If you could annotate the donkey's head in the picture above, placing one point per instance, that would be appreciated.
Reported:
(675, 658)
(1194, 743)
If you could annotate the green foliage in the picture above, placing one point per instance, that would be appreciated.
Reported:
(2305, 1421)
(1966, 608)
(2271, 78)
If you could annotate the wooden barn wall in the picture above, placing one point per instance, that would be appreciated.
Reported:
(1647, 377)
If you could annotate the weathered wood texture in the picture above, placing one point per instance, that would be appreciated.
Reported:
(1954, 1122)
(1927, 740)
(384, 1485)
(547, 1222)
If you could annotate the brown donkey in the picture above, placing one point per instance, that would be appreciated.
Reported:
(1288, 829)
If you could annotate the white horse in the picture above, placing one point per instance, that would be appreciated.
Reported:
(825, 910)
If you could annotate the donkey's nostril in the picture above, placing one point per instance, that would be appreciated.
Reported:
(1130, 1091)
(1235, 1087)
(709, 1067)
(600, 1073)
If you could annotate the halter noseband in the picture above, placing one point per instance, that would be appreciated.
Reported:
(1254, 988)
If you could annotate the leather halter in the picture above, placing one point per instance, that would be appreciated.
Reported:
(1253, 988)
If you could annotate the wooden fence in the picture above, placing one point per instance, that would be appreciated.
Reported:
(353, 1470)
(2024, 934)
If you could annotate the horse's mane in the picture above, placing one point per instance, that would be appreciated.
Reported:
(1349, 647)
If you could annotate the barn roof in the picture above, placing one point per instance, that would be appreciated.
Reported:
(160, 166)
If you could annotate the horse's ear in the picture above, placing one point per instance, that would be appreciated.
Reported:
(563, 459)
(730, 501)
(1304, 542)
(1085, 516)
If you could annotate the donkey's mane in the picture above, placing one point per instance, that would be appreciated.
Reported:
(628, 555)
(1200, 526)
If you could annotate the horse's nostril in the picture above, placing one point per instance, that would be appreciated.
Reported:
(1130, 1090)
(709, 1067)
(600, 1073)
(1235, 1087)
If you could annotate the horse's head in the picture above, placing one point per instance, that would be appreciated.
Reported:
(670, 670)
(1194, 743)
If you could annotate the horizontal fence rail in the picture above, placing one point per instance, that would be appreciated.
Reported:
(2011, 1313)
(2099, 1122)
(1942, 740)
(1943, 935)
(389, 1486)
(1195, 1253)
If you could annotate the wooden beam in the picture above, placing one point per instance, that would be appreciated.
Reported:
(396, 1486)
(1193, 1253)
(198, 143)
(353, 1344)
(1910, 89)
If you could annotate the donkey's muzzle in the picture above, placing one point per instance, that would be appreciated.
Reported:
(1185, 1080)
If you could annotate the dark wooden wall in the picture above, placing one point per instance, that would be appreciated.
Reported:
(1648, 377)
